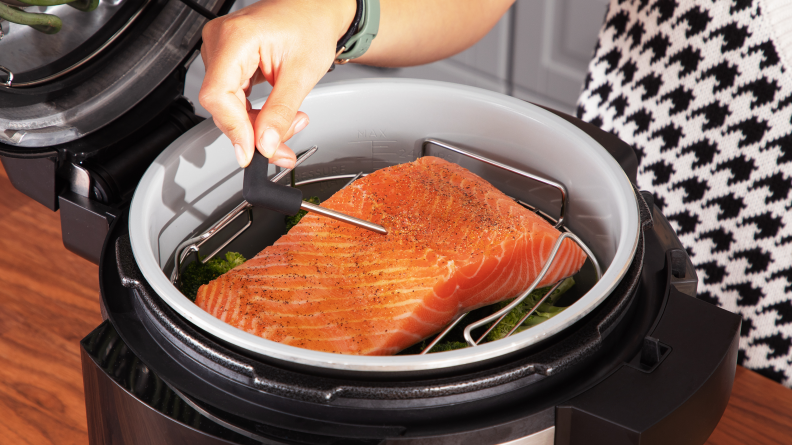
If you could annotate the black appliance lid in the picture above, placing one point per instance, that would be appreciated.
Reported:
(70, 107)
(33, 57)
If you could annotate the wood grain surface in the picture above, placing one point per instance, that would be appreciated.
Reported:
(49, 300)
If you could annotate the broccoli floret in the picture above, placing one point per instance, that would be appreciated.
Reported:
(544, 312)
(448, 346)
(292, 220)
(233, 259)
(196, 274)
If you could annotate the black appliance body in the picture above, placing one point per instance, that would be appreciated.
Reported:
(652, 364)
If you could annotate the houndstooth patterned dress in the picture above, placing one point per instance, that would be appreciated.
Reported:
(703, 90)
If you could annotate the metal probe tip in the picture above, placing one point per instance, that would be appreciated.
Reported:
(307, 206)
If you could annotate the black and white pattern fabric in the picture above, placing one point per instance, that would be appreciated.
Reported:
(703, 90)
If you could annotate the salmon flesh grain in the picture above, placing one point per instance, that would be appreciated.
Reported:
(454, 243)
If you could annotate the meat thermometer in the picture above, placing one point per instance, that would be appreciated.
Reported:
(259, 191)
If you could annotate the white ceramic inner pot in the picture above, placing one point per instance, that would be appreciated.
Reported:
(371, 124)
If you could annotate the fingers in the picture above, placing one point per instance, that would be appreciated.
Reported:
(278, 119)
(252, 115)
(290, 44)
(298, 124)
(231, 117)
(283, 157)
(221, 94)
(255, 80)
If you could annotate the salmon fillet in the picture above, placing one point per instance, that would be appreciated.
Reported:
(454, 243)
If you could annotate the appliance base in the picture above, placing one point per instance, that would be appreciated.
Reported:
(126, 403)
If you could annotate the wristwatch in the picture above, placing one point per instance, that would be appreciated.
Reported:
(364, 28)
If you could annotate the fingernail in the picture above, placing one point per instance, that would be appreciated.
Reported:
(284, 163)
(240, 154)
(301, 124)
(269, 142)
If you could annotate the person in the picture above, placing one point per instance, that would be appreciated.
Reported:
(292, 43)
(702, 89)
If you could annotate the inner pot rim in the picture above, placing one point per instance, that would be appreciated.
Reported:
(145, 196)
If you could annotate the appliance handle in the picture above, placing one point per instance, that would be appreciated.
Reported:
(674, 390)
(128, 271)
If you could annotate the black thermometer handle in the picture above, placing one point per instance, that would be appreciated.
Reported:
(258, 190)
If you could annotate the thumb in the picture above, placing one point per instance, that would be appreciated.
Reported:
(274, 121)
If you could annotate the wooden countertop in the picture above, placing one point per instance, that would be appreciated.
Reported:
(49, 300)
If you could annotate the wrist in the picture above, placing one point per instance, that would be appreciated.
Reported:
(346, 10)
(366, 26)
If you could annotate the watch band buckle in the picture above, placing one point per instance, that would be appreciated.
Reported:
(338, 53)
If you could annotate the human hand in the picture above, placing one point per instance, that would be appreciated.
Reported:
(288, 43)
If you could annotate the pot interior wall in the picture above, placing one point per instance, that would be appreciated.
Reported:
(365, 126)
(356, 133)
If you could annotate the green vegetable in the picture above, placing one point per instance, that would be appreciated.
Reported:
(45, 2)
(544, 312)
(197, 273)
(83, 5)
(455, 340)
(448, 346)
(46, 23)
(292, 220)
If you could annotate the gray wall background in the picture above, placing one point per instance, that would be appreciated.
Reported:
(539, 51)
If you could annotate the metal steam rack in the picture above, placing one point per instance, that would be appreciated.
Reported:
(194, 244)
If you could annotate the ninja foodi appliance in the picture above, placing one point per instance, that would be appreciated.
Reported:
(635, 358)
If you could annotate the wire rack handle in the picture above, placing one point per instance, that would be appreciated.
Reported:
(558, 186)
(194, 244)
(502, 313)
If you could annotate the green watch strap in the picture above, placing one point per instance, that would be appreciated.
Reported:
(359, 43)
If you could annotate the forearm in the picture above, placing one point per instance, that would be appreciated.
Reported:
(414, 32)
